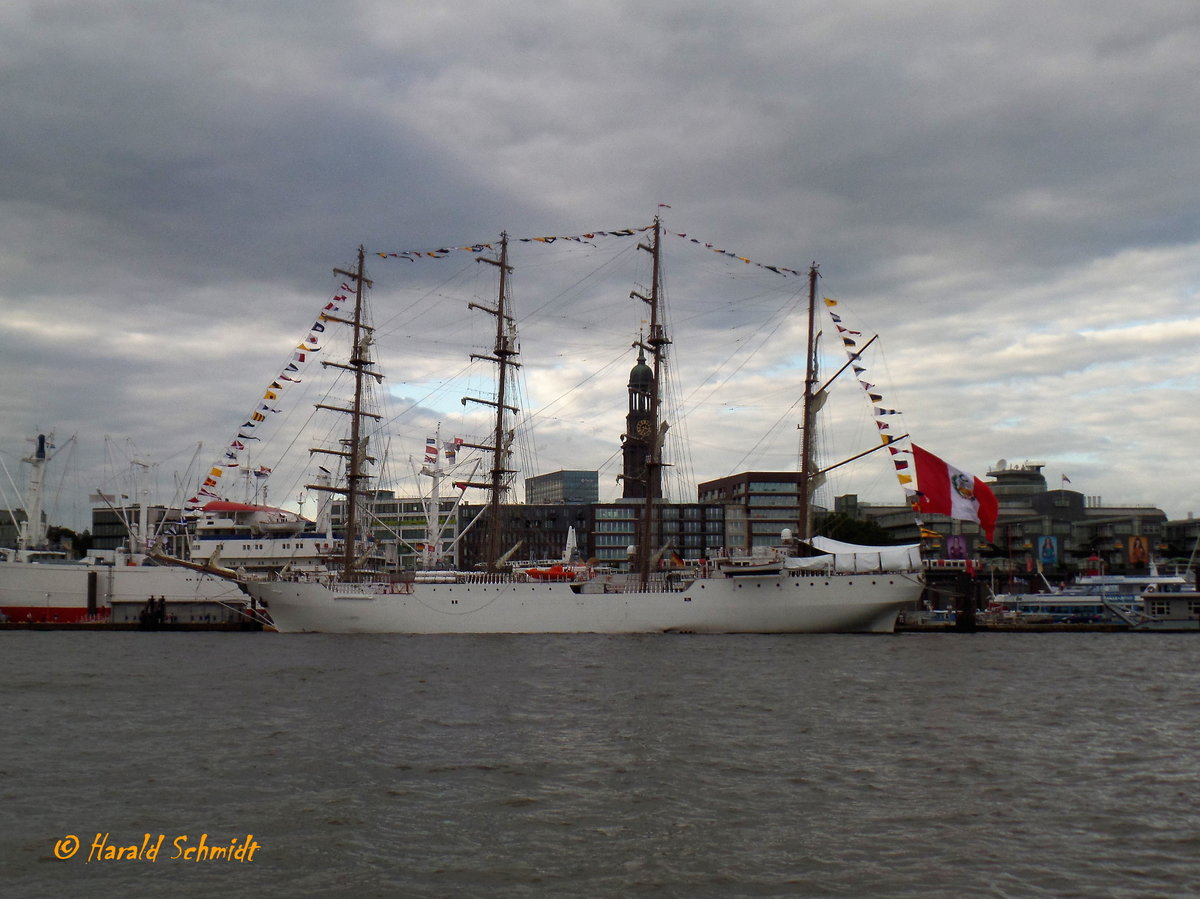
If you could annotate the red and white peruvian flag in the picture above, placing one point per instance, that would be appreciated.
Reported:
(943, 489)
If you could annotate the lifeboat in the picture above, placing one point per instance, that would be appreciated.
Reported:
(553, 573)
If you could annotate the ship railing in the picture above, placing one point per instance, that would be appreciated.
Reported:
(666, 582)
(379, 588)
(484, 577)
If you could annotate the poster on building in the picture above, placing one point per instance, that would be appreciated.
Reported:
(1048, 549)
(1138, 553)
(956, 546)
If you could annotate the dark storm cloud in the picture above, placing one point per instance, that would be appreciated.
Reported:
(1009, 192)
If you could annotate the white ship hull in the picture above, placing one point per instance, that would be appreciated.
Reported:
(59, 592)
(829, 603)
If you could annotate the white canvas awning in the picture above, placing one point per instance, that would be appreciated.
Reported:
(854, 557)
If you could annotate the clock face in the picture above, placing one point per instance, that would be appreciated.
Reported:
(643, 428)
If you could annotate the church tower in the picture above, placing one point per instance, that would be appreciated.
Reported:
(637, 441)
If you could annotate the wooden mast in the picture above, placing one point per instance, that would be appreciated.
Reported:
(503, 351)
(355, 473)
(355, 453)
(655, 341)
(812, 476)
(808, 411)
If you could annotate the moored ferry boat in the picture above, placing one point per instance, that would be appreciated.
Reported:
(1091, 598)
(1170, 608)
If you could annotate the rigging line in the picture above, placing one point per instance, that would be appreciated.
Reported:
(608, 462)
(17, 493)
(675, 475)
(416, 404)
(574, 286)
(423, 297)
(523, 426)
(892, 389)
(292, 392)
(735, 304)
(541, 412)
(681, 473)
(69, 446)
(298, 396)
(770, 432)
(298, 433)
(331, 395)
(763, 338)
(421, 300)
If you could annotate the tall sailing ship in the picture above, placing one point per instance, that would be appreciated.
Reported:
(844, 589)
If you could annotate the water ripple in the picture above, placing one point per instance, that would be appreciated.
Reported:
(941, 765)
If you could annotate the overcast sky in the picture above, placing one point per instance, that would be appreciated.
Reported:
(1008, 193)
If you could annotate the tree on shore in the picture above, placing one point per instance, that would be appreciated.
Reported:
(839, 526)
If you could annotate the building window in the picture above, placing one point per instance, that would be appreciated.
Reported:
(775, 514)
(772, 486)
(781, 500)
(624, 527)
(769, 527)
(611, 512)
